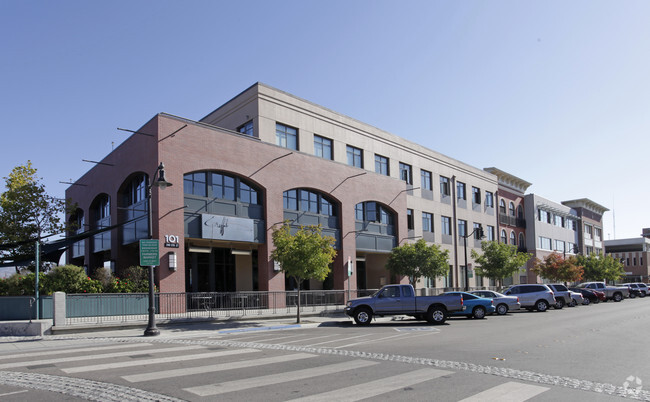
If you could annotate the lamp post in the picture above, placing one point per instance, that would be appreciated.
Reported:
(161, 183)
(480, 236)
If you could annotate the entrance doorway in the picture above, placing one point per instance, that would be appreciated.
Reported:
(211, 272)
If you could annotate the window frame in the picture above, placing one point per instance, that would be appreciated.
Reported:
(320, 144)
(283, 132)
(354, 156)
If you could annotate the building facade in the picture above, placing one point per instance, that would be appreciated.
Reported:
(263, 158)
(633, 254)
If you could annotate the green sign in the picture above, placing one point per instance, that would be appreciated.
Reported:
(149, 252)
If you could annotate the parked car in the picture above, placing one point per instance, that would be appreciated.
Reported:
(501, 302)
(562, 295)
(589, 295)
(475, 306)
(532, 297)
(576, 298)
(616, 293)
(636, 290)
(401, 300)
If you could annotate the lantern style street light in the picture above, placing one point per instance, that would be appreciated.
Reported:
(161, 183)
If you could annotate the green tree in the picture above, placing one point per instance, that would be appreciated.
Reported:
(417, 260)
(499, 260)
(557, 269)
(305, 254)
(600, 268)
(69, 279)
(27, 213)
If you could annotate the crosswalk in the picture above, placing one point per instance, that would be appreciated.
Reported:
(216, 372)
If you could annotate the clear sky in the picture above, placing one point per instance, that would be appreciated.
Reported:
(554, 92)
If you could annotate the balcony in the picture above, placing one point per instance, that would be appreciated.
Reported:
(509, 220)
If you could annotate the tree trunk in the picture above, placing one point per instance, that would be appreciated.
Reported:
(298, 312)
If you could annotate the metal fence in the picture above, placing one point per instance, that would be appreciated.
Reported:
(126, 307)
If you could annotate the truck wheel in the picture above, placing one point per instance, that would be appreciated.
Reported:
(541, 305)
(436, 315)
(559, 303)
(502, 309)
(363, 316)
(479, 312)
(618, 297)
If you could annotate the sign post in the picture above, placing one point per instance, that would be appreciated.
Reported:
(150, 256)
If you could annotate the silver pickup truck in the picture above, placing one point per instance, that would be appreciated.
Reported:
(401, 300)
(616, 293)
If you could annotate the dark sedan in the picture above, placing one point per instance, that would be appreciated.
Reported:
(588, 294)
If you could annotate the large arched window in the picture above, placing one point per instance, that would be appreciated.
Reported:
(522, 241)
(513, 238)
(502, 206)
(101, 218)
(308, 201)
(373, 212)
(220, 186)
(511, 208)
(520, 212)
(134, 209)
(504, 237)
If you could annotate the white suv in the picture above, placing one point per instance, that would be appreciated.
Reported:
(532, 297)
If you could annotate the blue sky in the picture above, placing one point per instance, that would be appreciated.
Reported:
(554, 92)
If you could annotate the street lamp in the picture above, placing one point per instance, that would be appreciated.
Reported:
(479, 231)
(161, 183)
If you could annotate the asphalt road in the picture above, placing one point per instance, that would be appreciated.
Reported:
(595, 353)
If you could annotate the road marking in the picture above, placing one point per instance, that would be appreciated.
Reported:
(215, 367)
(248, 339)
(382, 339)
(14, 393)
(248, 383)
(377, 387)
(92, 357)
(508, 392)
(304, 339)
(79, 350)
(170, 359)
(339, 340)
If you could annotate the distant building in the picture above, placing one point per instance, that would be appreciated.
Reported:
(633, 253)
(590, 235)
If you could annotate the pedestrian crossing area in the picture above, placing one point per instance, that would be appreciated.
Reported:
(205, 371)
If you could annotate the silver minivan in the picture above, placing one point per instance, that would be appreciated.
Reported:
(532, 297)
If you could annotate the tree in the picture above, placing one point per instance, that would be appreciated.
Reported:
(305, 254)
(417, 260)
(557, 269)
(27, 214)
(598, 267)
(499, 260)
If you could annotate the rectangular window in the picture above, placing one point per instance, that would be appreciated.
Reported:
(543, 215)
(489, 199)
(425, 176)
(460, 190)
(195, 183)
(462, 228)
(409, 219)
(598, 234)
(588, 231)
(476, 195)
(445, 225)
(355, 156)
(322, 147)
(381, 165)
(246, 128)
(559, 221)
(308, 201)
(444, 186)
(545, 243)
(490, 233)
(571, 248)
(286, 136)
(559, 246)
(406, 173)
(427, 222)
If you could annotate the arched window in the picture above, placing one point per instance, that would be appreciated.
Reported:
(504, 238)
(373, 212)
(502, 206)
(308, 201)
(513, 238)
(220, 186)
(522, 241)
(511, 208)
(520, 212)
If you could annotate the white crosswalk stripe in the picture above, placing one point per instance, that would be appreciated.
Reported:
(94, 357)
(247, 383)
(508, 392)
(377, 387)
(76, 350)
(159, 360)
(157, 375)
